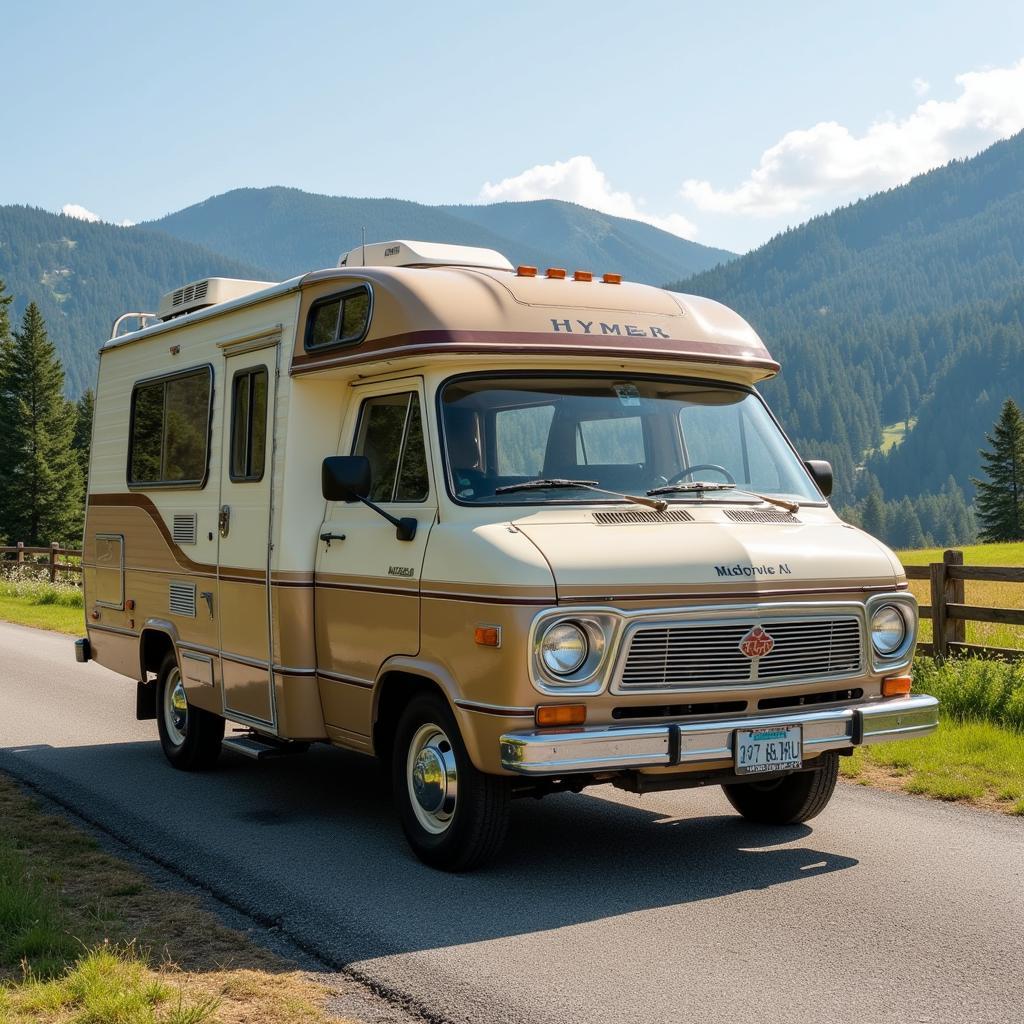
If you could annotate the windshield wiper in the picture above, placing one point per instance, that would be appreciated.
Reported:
(700, 486)
(586, 485)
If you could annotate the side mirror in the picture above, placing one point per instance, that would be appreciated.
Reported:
(345, 477)
(821, 474)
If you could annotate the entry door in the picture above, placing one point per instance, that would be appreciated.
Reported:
(367, 584)
(244, 523)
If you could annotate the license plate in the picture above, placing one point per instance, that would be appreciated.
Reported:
(772, 749)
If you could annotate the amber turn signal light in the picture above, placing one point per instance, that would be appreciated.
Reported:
(612, 279)
(556, 273)
(525, 271)
(487, 636)
(896, 686)
(561, 714)
(583, 275)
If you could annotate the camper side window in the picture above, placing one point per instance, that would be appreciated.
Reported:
(248, 424)
(390, 435)
(340, 319)
(169, 437)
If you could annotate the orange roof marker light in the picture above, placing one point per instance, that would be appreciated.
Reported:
(525, 271)
(556, 273)
(612, 279)
(583, 275)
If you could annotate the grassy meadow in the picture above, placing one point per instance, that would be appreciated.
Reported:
(983, 593)
(29, 598)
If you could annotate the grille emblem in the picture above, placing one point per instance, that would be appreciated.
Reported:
(757, 643)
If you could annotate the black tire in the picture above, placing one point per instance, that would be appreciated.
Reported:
(191, 741)
(466, 830)
(789, 800)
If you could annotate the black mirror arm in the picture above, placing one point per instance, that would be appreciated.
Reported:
(405, 528)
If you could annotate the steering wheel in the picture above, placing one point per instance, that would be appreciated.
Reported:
(690, 470)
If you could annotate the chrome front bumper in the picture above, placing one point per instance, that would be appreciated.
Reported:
(603, 748)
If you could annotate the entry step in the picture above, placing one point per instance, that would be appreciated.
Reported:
(258, 748)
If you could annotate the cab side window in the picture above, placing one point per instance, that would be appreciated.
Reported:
(390, 435)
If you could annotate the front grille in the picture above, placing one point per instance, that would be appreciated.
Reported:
(720, 707)
(700, 654)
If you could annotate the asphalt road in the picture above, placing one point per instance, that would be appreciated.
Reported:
(604, 907)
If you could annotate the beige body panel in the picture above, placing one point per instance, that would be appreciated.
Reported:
(299, 636)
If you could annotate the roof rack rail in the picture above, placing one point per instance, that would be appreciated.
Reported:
(141, 317)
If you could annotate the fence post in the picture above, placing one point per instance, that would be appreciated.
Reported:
(937, 575)
(53, 561)
(956, 629)
(21, 552)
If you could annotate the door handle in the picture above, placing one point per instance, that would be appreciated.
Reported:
(224, 520)
(327, 537)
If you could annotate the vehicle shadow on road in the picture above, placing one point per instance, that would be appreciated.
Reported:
(312, 844)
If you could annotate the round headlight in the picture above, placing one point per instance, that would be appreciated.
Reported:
(564, 648)
(888, 629)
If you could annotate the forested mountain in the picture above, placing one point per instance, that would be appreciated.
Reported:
(873, 307)
(82, 276)
(290, 232)
(963, 402)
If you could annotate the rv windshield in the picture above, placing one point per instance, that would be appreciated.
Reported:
(628, 434)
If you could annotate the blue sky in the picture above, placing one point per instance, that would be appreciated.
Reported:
(722, 122)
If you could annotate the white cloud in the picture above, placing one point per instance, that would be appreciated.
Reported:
(828, 164)
(81, 213)
(580, 180)
(921, 86)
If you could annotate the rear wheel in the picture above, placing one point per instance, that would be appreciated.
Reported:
(190, 737)
(789, 800)
(454, 816)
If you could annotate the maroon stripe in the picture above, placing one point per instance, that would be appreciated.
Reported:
(539, 342)
(498, 712)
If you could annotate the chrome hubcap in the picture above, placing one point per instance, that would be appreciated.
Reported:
(175, 708)
(432, 778)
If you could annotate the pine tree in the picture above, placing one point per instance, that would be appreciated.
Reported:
(5, 347)
(874, 515)
(1000, 499)
(83, 431)
(41, 475)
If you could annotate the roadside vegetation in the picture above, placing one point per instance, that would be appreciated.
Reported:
(28, 598)
(86, 938)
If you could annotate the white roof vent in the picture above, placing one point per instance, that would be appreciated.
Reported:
(422, 254)
(208, 292)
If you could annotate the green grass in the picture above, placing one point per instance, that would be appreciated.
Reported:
(46, 616)
(29, 598)
(974, 554)
(975, 762)
(975, 690)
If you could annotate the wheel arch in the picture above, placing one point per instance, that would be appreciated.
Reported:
(399, 681)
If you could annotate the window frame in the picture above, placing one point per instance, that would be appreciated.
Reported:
(596, 499)
(192, 484)
(339, 297)
(249, 371)
(409, 394)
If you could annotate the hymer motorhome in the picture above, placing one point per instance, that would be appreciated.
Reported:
(511, 532)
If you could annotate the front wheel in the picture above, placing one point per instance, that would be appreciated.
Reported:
(789, 800)
(454, 816)
(190, 737)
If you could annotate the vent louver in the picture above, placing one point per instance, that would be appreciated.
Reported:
(753, 515)
(672, 515)
(184, 528)
(182, 600)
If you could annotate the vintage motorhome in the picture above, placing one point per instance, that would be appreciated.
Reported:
(511, 532)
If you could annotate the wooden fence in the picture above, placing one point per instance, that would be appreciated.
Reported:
(950, 613)
(24, 555)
